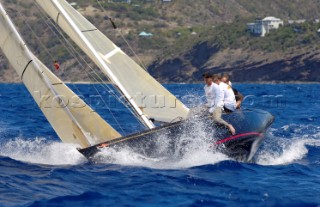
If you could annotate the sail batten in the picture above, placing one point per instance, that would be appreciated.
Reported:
(69, 116)
(141, 90)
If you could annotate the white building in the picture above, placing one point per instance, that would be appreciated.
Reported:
(263, 26)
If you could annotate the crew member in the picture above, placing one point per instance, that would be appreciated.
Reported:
(239, 97)
(215, 103)
(229, 99)
(208, 90)
(56, 65)
(226, 79)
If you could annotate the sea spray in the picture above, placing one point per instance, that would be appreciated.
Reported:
(40, 151)
(282, 151)
(191, 148)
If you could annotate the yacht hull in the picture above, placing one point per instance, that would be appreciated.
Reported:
(250, 125)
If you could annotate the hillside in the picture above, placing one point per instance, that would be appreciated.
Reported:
(189, 38)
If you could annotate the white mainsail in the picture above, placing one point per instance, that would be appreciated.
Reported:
(147, 97)
(73, 120)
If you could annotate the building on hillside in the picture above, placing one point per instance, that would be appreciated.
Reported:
(74, 4)
(120, 1)
(145, 34)
(263, 26)
(298, 21)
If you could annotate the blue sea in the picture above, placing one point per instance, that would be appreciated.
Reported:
(37, 169)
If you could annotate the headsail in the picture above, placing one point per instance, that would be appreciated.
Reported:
(73, 120)
(147, 97)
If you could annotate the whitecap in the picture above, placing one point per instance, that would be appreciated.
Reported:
(40, 151)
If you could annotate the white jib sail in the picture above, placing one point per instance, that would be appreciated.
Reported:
(73, 120)
(147, 96)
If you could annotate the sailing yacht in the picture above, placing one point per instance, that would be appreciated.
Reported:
(84, 127)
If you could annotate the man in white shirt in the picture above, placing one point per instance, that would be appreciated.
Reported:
(214, 96)
(229, 99)
(239, 97)
(208, 88)
(226, 79)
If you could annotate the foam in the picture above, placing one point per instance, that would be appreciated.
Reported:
(283, 151)
(40, 151)
(129, 158)
(287, 154)
(192, 149)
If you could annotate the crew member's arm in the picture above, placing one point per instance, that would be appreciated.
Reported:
(220, 97)
(239, 97)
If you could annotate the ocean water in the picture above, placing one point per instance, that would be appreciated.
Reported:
(36, 169)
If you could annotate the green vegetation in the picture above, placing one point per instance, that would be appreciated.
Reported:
(177, 27)
(236, 35)
(134, 12)
(288, 36)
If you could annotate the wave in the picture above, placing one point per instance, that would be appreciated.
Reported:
(278, 150)
(192, 148)
(40, 151)
(190, 151)
(128, 157)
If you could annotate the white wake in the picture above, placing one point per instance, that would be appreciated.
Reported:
(189, 152)
(40, 151)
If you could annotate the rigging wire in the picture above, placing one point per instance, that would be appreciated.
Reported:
(75, 56)
(123, 37)
(134, 113)
(75, 53)
(128, 105)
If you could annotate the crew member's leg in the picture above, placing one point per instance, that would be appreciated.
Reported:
(217, 117)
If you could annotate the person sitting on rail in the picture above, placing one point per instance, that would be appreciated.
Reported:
(215, 99)
(239, 97)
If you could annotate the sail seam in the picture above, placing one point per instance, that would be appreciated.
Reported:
(57, 17)
(56, 84)
(112, 53)
(25, 68)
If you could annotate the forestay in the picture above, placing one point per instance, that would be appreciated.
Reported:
(73, 120)
(146, 96)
